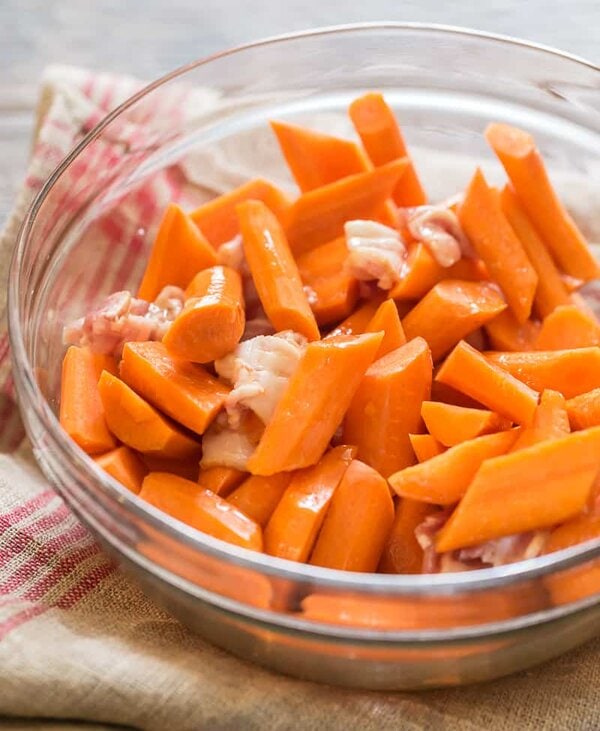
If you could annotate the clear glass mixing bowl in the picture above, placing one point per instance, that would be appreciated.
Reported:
(87, 232)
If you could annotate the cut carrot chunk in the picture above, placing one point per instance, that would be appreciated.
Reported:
(496, 243)
(584, 410)
(358, 322)
(184, 391)
(81, 410)
(534, 488)
(125, 466)
(452, 425)
(186, 501)
(524, 166)
(386, 407)
(314, 403)
(402, 553)
(575, 531)
(568, 327)
(221, 480)
(505, 333)
(467, 370)
(425, 446)
(387, 321)
(186, 468)
(218, 219)
(257, 497)
(550, 421)
(444, 479)
(274, 271)
(179, 251)
(298, 517)
(448, 395)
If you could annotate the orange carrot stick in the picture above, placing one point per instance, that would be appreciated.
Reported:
(382, 138)
(125, 466)
(496, 243)
(448, 395)
(584, 410)
(179, 251)
(184, 391)
(221, 480)
(357, 523)
(444, 479)
(524, 166)
(450, 311)
(274, 271)
(81, 410)
(425, 446)
(212, 321)
(186, 468)
(402, 553)
(575, 531)
(452, 425)
(358, 321)
(218, 220)
(292, 530)
(568, 327)
(387, 321)
(534, 488)
(550, 421)
(186, 501)
(386, 407)
(467, 370)
(314, 403)
(257, 497)
(505, 333)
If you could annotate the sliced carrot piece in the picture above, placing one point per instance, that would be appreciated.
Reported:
(382, 138)
(452, 425)
(496, 243)
(314, 403)
(387, 321)
(190, 503)
(568, 327)
(292, 530)
(274, 271)
(218, 219)
(572, 372)
(186, 468)
(505, 333)
(221, 480)
(584, 410)
(125, 466)
(444, 479)
(357, 523)
(525, 167)
(550, 421)
(184, 391)
(402, 553)
(469, 371)
(450, 311)
(448, 395)
(575, 531)
(358, 321)
(318, 216)
(81, 410)
(179, 251)
(534, 488)
(257, 497)
(425, 446)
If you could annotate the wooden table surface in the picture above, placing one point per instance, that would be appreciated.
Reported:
(149, 37)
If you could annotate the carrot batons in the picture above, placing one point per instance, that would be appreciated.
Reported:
(184, 391)
(425, 446)
(524, 166)
(452, 425)
(402, 553)
(444, 479)
(496, 243)
(179, 251)
(81, 410)
(550, 421)
(125, 466)
(274, 271)
(221, 480)
(505, 333)
(386, 407)
(382, 138)
(578, 530)
(584, 410)
(297, 519)
(257, 497)
(387, 321)
(202, 509)
(568, 327)
(534, 488)
(450, 311)
(467, 370)
(358, 322)
(314, 403)
(357, 523)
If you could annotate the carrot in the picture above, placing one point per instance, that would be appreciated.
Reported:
(496, 243)
(452, 425)
(357, 523)
(319, 215)
(184, 391)
(81, 410)
(387, 321)
(186, 501)
(140, 426)
(572, 372)
(425, 446)
(444, 479)
(257, 497)
(316, 159)
(402, 553)
(386, 407)
(551, 291)
(584, 410)
(382, 139)
(314, 403)
(470, 372)
(179, 251)
(218, 219)
(550, 421)
(212, 321)
(333, 292)
(450, 311)
(358, 322)
(274, 271)
(448, 395)
(568, 327)
(534, 488)
(187, 468)
(221, 480)
(575, 531)
(125, 466)
(525, 167)
(505, 333)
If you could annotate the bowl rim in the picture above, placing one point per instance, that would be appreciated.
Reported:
(30, 396)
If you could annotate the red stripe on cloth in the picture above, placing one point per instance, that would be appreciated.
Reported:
(3, 347)
(28, 508)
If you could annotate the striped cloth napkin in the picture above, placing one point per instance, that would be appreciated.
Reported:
(80, 642)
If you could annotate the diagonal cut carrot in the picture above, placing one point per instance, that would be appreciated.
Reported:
(568, 327)
(357, 322)
(221, 480)
(425, 446)
(387, 321)
(125, 466)
(257, 497)
(573, 532)
(505, 333)
(452, 425)
(584, 410)
(550, 421)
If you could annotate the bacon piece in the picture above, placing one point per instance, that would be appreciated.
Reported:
(376, 252)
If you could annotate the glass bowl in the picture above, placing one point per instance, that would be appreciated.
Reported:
(204, 127)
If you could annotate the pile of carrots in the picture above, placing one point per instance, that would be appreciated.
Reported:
(466, 385)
